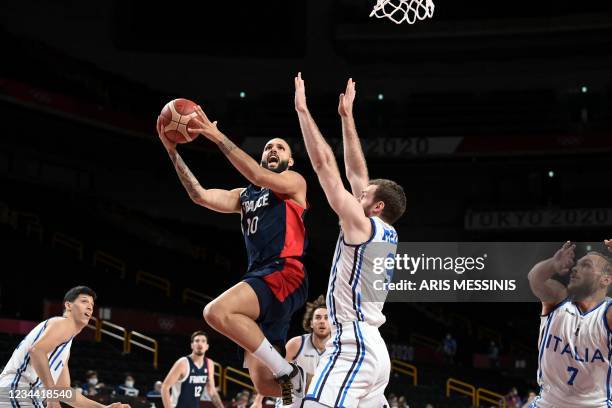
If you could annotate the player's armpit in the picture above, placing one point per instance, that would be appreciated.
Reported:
(288, 182)
(292, 347)
(223, 201)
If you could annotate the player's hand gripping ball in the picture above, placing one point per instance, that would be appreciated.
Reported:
(176, 117)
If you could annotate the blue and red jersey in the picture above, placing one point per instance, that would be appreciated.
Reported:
(272, 225)
(273, 230)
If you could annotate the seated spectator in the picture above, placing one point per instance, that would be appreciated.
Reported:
(241, 400)
(530, 397)
(156, 391)
(512, 399)
(92, 385)
(127, 388)
(154, 396)
(392, 399)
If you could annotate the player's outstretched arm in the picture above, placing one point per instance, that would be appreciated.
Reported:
(356, 226)
(354, 160)
(288, 182)
(223, 201)
(548, 290)
(211, 388)
(173, 376)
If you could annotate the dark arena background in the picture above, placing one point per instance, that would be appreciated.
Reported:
(495, 117)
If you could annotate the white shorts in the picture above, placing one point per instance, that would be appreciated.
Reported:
(353, 371)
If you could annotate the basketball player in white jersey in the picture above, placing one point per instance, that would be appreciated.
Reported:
(575, 346)
(41, 359)
(306, 350)
(188, 377)
(354, 371)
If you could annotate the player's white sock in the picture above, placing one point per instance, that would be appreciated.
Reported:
(272, 358)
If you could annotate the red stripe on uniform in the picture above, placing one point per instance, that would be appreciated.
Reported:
(284, 282)
(295, 232)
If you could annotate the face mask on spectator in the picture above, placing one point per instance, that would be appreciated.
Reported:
(93, 381)
(129, 383)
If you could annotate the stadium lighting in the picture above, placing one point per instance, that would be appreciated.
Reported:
(584, 89)
(551, 174)
(380, 97)
(242, 94)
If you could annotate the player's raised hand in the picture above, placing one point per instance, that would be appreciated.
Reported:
(300, 94)
(169, 145)
(118, 405)
(345, 106)
(564, 258)
(204, 126)
(608, 244)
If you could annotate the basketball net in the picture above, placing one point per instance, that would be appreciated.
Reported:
(399, 11)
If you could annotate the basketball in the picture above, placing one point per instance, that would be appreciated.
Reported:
(177, 116)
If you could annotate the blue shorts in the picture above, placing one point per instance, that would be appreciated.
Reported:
(281, 288)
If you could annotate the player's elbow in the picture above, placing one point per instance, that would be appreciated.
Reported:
(165, 388)
(534, 274)
(321, 163)
(35, 351)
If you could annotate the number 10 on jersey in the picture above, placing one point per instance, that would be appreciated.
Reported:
(251, 225)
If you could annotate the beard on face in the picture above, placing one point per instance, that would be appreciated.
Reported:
(280, 167)
(319, 333)
(198, 353)
(581, 290)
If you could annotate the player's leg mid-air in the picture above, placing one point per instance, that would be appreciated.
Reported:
(354, 371)
(255, 313)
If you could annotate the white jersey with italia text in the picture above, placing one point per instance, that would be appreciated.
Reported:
(350, 295)
(19, 372)
(574, 358)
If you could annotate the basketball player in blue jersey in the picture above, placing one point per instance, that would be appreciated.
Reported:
(41, 359)
(575, 347)
(255, 313)
(189, 376)
(354, 371)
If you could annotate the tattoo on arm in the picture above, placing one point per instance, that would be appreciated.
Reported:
(226, 145)
(187, 178)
